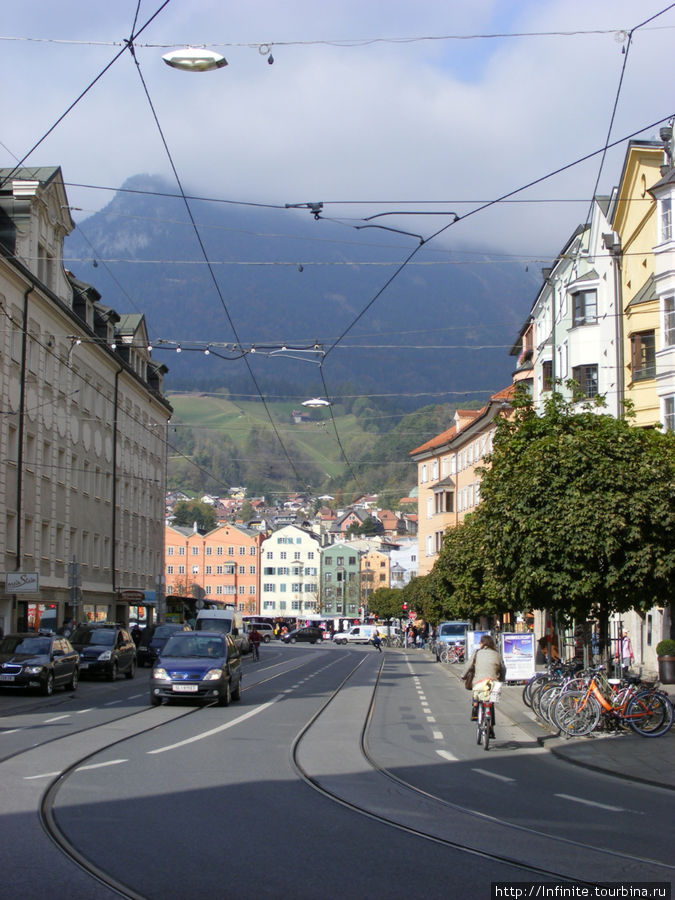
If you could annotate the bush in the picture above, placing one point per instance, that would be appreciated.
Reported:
(665, 648)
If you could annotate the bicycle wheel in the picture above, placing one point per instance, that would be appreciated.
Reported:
(531, 684)
(649, 714)
(444, 655)
(549, 697)
(537, 694)
(576, 714)
(487, 727)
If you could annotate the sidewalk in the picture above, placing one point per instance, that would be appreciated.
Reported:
(648, 760)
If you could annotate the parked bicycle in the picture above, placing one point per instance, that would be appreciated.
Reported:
(647, 711)
(452, 653)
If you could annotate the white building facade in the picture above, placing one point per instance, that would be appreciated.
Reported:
(290, 573)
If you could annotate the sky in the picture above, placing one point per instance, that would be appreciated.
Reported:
(369, 105)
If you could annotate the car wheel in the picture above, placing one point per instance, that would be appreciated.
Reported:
(224, 699)
(313, 642)
(266, 639)
(291, 641)
(131, 671)
(72, 684)
(155, 701)
(48, 686)
(112, 675)
(236, 693)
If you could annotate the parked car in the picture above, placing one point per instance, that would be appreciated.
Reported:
(199, 665)
(308, 633)
(39, 661)
(153, 639)
(105, 648)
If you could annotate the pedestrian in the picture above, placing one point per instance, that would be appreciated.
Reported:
(625, 651)
(254, 640)
(486, 662)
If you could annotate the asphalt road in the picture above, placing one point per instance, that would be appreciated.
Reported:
(342, 772)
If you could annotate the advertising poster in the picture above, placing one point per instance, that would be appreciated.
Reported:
(518, 653)
(472, 641)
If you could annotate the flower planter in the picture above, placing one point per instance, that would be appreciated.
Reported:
(667, 669)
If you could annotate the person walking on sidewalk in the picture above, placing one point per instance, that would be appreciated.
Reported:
(625, 652)
(487, 662)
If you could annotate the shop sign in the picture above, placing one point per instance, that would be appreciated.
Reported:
(22, 582)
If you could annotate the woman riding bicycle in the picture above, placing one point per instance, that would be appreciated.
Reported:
(487, 663)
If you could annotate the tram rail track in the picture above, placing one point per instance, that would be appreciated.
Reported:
(530, 868)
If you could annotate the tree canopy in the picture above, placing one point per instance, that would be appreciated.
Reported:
(187, 512)
(577, 514)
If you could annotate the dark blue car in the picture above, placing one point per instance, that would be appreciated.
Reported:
(197, 665)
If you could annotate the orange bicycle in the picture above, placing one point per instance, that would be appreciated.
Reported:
(648, 712)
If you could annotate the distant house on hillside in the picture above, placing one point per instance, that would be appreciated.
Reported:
(300, 417)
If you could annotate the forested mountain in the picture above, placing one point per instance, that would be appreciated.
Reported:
(438, 336)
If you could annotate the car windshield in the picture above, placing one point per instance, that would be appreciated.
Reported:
(189, 645)
(163, 631)
(33, 646)
(452, 629)
(101, 637)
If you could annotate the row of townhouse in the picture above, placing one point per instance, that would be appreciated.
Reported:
(83, 442)
(288, 573)
(603, 317)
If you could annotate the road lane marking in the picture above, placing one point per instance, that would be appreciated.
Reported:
(111, 762)
(438, 735)
(212, 731)
(493, 775)
(112, 702)
(590, 802)
(79, 712)
(11, 731)
(446, 754)
(431, 718)
(57, 718)
(43, 775)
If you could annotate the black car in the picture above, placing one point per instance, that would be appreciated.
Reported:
(308, 633)
(199, 665)
(39, 661)
(153, 639)
(105, 648)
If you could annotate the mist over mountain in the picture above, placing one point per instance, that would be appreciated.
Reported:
(440, 332)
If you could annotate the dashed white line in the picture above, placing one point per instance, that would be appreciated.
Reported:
(57, 718)
(437, 735)
(590, 802)
(43, 775)
(447, 755)
(11, 731)
(111, 762)
(431, 718)
(493, 775)
(79, 712)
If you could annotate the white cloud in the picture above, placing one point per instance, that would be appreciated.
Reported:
(421, 120)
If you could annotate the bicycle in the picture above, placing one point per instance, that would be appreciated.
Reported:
(647, 711)
(255, 651)
(452, 653)
(487, 696)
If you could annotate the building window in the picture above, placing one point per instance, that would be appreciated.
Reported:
(585, 308)
(169, 551)
(666, 219)
(643, 358)
(668, 321)
(669, 413)
(195, 551)
(587, 379)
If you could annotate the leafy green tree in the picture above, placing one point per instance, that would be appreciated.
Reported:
(186, 512)
(386, 603)
(577, 512)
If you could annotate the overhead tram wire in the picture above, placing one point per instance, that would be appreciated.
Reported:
(84, 92)
(210, 268)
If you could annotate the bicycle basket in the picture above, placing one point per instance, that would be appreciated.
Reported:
(496, 694)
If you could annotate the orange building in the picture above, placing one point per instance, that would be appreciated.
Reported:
(224, 564)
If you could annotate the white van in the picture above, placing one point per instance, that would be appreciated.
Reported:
(227, 620)
(357, 634)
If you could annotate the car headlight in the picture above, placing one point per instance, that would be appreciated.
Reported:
(33, 670)
(105, 655)
(213, 675)
(160, 674)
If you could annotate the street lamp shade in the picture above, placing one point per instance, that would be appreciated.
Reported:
(194, 59)
(316, 401)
